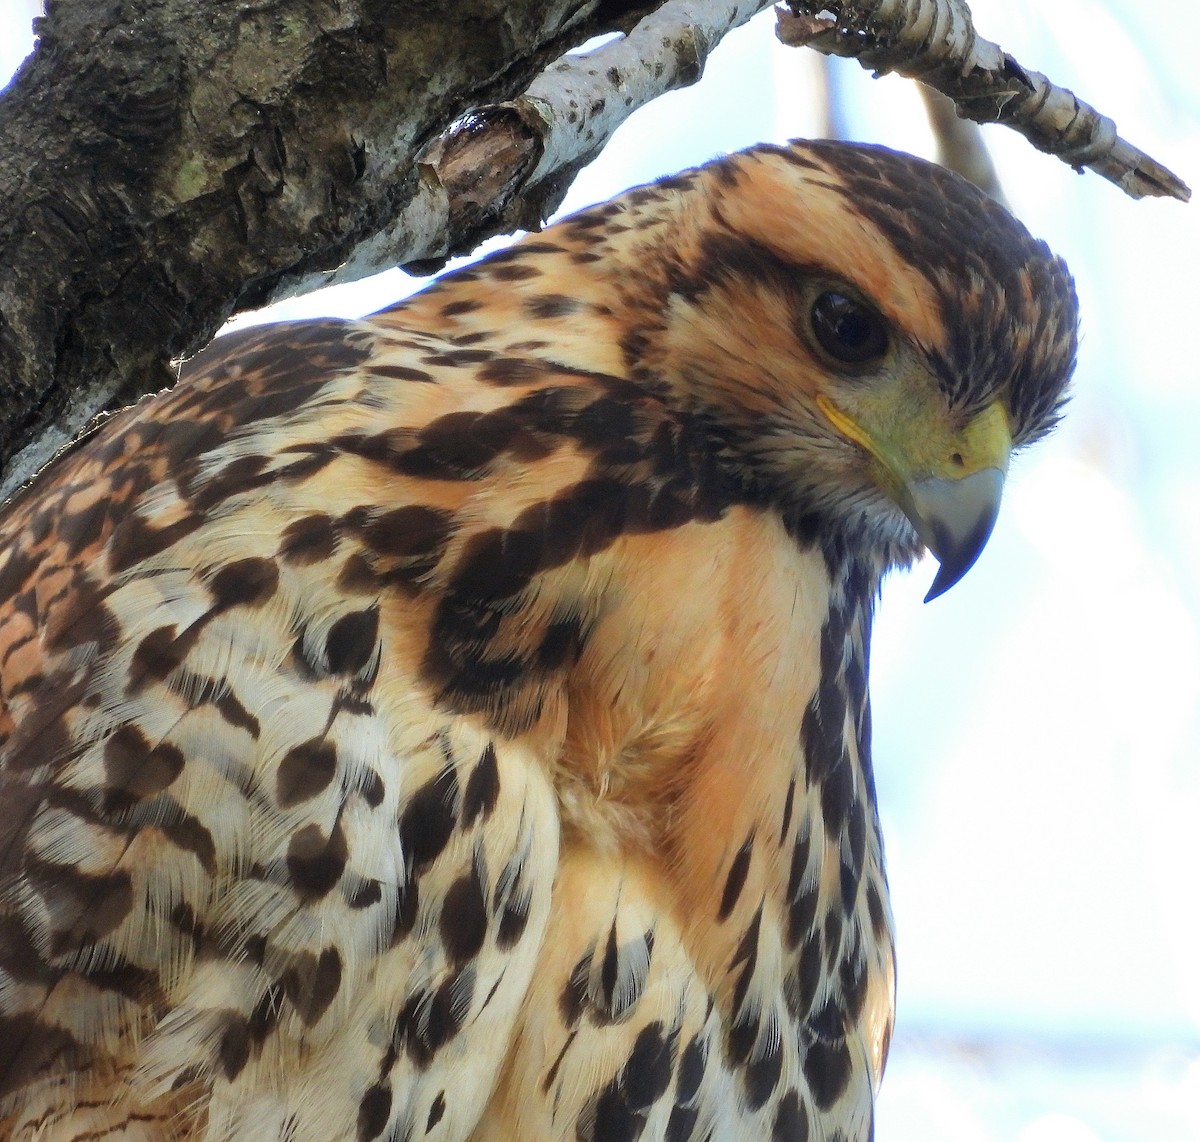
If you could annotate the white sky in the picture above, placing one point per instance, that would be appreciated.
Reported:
(1038, 728)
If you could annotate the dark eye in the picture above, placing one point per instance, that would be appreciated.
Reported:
(848, 330)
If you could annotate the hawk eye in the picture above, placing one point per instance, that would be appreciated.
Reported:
(848, 330)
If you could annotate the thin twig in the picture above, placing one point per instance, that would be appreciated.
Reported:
(935, 41)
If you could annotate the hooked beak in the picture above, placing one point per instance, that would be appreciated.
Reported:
(948, 484)
(954, 519)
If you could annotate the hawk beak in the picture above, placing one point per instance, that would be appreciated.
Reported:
(948, 484)
(954, 519)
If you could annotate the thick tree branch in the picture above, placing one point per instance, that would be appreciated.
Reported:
(935, 41)
(166, 163)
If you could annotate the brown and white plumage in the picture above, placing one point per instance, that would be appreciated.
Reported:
(453, 724)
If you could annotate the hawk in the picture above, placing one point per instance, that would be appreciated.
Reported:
(453, 724)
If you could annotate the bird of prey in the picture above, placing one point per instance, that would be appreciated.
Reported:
(453, 724)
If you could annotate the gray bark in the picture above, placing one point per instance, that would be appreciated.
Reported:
(166, 163)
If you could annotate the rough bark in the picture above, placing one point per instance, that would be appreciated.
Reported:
(164, 163)
(935, 41)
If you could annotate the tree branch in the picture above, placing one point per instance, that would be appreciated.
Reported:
(166, 163)
(935, 41)
(507, 166)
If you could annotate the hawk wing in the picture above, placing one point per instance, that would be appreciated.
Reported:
(283, 671)
(245, 849)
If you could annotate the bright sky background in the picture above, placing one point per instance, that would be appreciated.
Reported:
(1038, 728)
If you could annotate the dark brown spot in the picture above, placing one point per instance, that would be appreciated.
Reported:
(512, 371)
(736, 878)
(482, 789)
(856, 833)
(247, 582)
(86, 907)
(407, 531)
(183, 917)
(876, 910)
(403, 373)
(746, 954)
(681, 1127)
(436, 1110)
(692, 1064)
(429, 820)
(837, 793)
(561, 643)
(158, 654)
(351, 644)
(430, 1020)
(513, 273)
(371, 787)
(365, 895)
(305, 770)
(463, 923)
(84, 528)
(848, 879)
(241, 475)
(791, 1120)
(311, 982)
(831, 933)
(457, 358)
(552, 1072)
(308, 540)
(551, 306)
(81, 617)
(762, 1072)
(520, 251)
(233, 712)
(804, 977)
(316, 862)
(357, 577)
(623, 1105)
(30, 1048)
(575, 991)
(406, 910)
(853, 977)
(788, 805)
(135, 769)
(134, 540)
(647, 1073)
(827, 1067)
(530, 345)
(234, 1048)
(513, 919)
(410, 541)
(609, 966)
(16, 570)
(43, 735)
(801, 915)
(374, 1111)
(313, 457)
(461, 306)
(188, 834)
(265, 1016)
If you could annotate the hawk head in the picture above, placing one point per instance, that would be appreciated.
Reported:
(868, 337)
